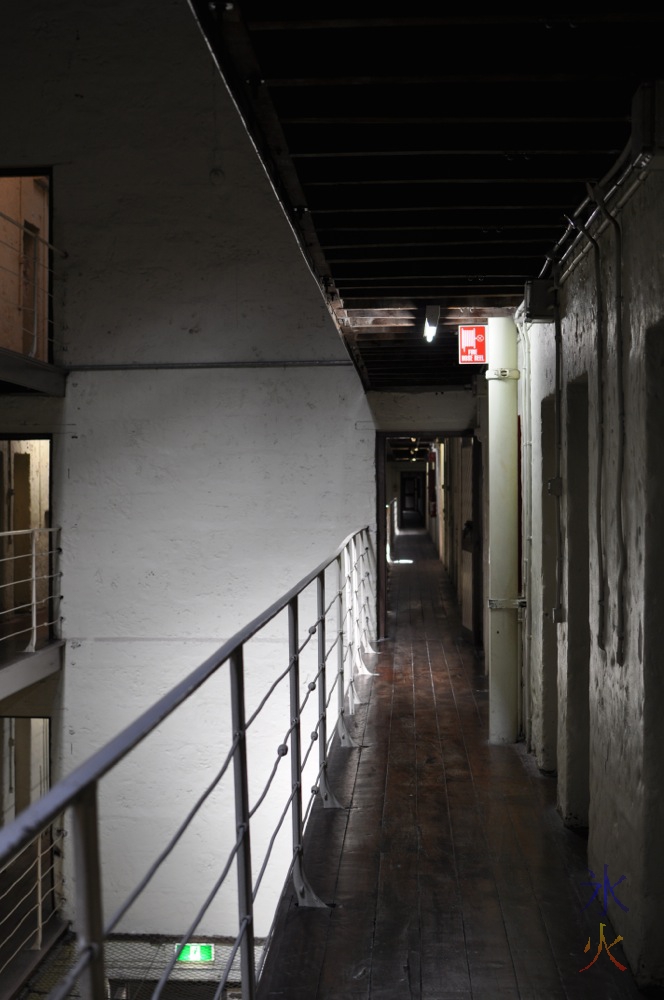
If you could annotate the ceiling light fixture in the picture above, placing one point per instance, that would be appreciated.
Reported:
(431, 322)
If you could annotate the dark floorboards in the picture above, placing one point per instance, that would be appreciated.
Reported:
(450, 875)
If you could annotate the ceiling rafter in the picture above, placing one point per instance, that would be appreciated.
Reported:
(420, 164)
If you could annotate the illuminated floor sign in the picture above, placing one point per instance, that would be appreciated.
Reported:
(195, 953)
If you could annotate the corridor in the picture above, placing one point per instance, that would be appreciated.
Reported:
(449, 874)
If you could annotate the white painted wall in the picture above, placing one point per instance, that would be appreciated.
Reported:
(450, 411)
(466, 581)
(439, 539)
(190, 498)
(625, 698)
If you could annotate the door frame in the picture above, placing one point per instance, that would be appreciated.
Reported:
(382, 438)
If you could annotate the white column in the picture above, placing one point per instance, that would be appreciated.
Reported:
(502, 376)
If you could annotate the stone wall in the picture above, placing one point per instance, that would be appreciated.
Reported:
(597, 728)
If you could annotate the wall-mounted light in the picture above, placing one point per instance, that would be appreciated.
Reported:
(431, 322)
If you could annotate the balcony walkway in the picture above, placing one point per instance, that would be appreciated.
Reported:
(450, 875)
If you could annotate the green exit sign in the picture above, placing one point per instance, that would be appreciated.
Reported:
(195, 952)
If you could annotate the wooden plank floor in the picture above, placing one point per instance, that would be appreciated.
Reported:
(450, 874)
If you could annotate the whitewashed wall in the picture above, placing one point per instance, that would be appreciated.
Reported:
(438, 412)
(624, 699)
(190, 497)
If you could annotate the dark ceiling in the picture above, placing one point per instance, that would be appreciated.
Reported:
(430, 160)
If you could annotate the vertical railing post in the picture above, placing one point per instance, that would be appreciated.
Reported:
(368, 599)
(341, 694)
(372, 565)
(357, 588)
(35, 297)
(55, 542)
(32, 645)
(294, 676)
(349, 626)
(366, 619)
(359, 556)
(329, 799)
(367, 588)
(39, 932)
(244, 877)
(345, 739)
(356, 659)
(305, 894)
(89, 918)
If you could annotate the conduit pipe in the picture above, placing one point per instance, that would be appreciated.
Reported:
(555, 485)
(502, 375)
(527, 517)
(599, 434)
(620, 390)
(559, 253)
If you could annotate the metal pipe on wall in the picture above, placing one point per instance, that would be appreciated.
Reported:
(620, 393)
(599, 435)
(555, 485)
(502, 375)
(526, 519)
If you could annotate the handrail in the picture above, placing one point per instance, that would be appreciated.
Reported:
(22, 226)
(355, 560)
(29, 591)
(24, 828)
(27, 276)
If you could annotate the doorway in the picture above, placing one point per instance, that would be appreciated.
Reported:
(573, 758)
(432, 481)
(545, 714)
(26, 546)
(30, 883)
(411, 500)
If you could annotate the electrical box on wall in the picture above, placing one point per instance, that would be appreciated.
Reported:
(539, 300)
(648, 123)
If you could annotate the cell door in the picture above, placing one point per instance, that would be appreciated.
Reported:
(411, 505)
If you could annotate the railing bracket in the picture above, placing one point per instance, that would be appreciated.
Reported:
(305, 894)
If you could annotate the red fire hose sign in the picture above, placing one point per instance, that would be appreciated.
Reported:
(472, 345)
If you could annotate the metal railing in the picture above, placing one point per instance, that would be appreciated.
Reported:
(30, 895)
(29, 589)
(341, 592)
(26, 288)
